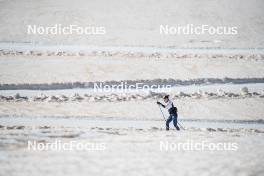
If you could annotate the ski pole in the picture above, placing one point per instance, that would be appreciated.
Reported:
(162, 113)
(180, 125)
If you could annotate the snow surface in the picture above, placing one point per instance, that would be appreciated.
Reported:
(135, 22)
(22, 69)
(131, 147)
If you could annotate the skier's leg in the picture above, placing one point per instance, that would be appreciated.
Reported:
(168, 122)
(175, 122)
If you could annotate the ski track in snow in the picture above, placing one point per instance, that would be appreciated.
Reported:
(126, 97)
(23, 49)
(129, 54)
(160, 82)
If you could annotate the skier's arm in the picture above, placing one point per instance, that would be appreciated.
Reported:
(159, 103)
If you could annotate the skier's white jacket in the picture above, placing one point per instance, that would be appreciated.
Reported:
(171, 108)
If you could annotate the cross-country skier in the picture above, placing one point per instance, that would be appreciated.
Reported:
(172, 111)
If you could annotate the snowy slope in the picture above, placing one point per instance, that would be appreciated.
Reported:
(135, 22)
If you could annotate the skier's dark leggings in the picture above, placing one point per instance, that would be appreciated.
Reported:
(172, 117)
